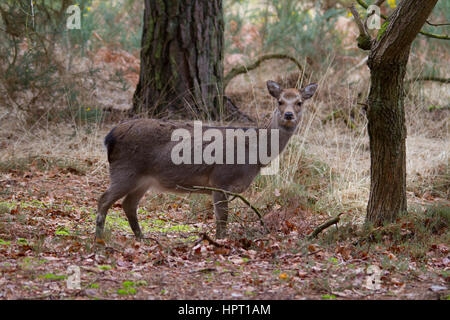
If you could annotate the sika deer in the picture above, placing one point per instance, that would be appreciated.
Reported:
(141, 156)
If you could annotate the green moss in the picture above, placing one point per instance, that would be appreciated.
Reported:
(128, 288)
(51, 276)
(382, 30)
(364, 42)
(158, 50)
(4, 243)
(104, 267)
(62, 232)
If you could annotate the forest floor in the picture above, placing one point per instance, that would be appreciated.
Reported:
(43, 234)
(53, 170)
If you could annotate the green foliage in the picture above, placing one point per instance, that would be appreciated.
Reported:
(62, 232)
(4, 243)
(382, 30)
(40, 63)
(288, 26)
(129, 287)
(51, 276)
(22, 241)
(104, 267)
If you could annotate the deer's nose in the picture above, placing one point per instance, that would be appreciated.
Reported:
(288, 116)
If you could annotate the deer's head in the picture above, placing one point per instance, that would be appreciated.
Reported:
(290, 102)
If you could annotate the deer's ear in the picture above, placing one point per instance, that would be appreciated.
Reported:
(274, 89)
(308, 91)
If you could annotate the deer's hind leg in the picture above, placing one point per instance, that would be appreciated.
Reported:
(130, 205)
(121, 185)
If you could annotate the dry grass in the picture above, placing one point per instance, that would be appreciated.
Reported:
(326, 165)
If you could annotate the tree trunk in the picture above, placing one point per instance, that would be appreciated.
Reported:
(387, 132)
(181, 59)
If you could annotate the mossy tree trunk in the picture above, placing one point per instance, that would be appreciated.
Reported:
(181, 59)
(387, 131)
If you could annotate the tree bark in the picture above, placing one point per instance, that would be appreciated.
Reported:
(387, 131)
(181, 59)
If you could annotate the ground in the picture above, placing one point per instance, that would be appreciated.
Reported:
(47, 225)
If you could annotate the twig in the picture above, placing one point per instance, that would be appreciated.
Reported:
(362, 29)
(244, 69)
(314, 252)
(235, 195)
(155, 240)
(204, 236)
(437, 24)
(325, 225)
(364, 39)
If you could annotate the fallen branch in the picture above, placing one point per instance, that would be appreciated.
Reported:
(244, 69)
(430, 78)
(336, 114)
(325, 225)
(204, 236)
(234, 195)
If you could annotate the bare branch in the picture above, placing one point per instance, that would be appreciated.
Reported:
(244, 69)
(364, 40)
(359, 23)
(233, 194)
(437, 24)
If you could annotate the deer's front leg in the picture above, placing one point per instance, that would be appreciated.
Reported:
(221, 211)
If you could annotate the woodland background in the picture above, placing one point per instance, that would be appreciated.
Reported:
(62, 90)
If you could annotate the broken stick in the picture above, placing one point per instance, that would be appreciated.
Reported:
(325, 225)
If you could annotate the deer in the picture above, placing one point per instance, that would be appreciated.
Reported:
(140, 156)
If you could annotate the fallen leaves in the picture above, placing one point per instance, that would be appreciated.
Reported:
(283, 276)
(48, 233)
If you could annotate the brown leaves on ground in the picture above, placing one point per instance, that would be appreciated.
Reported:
(47, 225)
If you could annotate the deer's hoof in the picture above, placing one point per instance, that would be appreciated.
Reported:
(221, 234)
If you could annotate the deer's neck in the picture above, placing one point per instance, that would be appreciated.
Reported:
(285, 133)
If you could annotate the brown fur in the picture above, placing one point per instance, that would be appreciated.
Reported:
(139, 153)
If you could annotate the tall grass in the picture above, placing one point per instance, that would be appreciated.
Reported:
(326, 165)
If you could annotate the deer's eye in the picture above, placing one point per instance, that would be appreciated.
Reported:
(299, 103)
(280, 102)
